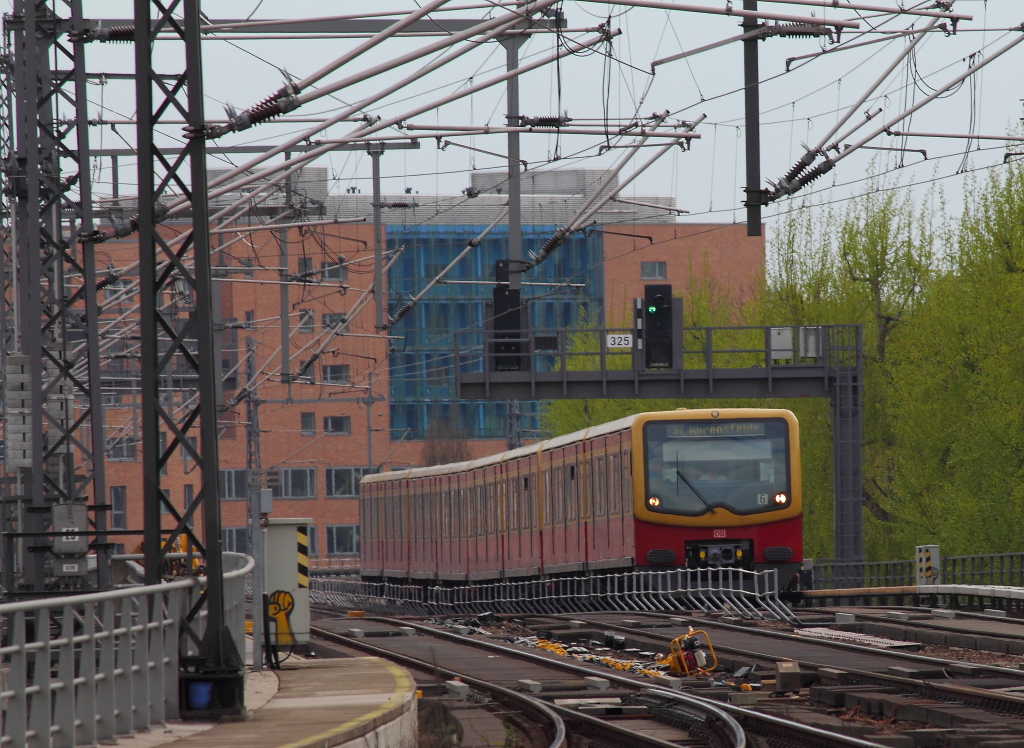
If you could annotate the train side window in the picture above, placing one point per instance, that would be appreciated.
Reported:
(571, 494)
(511, 503)
(493, 506)
(431, 495)
(558, 497)
(587, 500)
(600, 488)
(478, 501)
(545, 508)
(614, 485)
(460, 515)
(627, 481)
(531, 501)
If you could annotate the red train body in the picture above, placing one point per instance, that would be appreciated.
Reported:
(604, 498)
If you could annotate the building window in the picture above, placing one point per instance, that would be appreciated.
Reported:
(116, 288)
(296, 483)
(305, 268)
(188, 493)
(112, 398)
(311, 544)
(335, 373)
(305, 320)
(164, 509)
(233, 484)
(652, 271)
(334, 271)
(250, 319)
(235, 539)
(186, 456)
(162, 447)
(342, 539)
(307, 423)
(337, 425)
(118, 507)
(342, 482)
(333, 319)
(121, 448)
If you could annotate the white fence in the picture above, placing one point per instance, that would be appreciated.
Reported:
(742, 593)
(83, 669)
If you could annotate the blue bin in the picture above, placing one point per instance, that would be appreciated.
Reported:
(200, 694)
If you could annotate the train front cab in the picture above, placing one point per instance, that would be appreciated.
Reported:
(718, 488)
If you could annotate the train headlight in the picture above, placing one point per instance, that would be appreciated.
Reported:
(703, 554)
(780, 498)
(654, 501)
(739, 554)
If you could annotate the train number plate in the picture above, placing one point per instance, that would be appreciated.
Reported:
(620, 341)
(719, 533)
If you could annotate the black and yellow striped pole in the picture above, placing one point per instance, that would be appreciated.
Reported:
(302, 542)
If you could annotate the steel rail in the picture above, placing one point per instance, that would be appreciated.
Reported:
(559, 740)
(737, 734)
(921, 659)
(980, 697)
(723, 711)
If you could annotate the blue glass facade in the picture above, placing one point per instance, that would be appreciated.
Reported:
(422, 381)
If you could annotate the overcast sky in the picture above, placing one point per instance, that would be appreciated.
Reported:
(797, 107)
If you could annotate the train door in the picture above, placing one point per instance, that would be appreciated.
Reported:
(544, 509)
(492, 519)
(628, 497)
(597, 469)
(509, 507)
(432, 493)
(529, 513)
(366, 554)
(575, 551)
(444, 492)
(404, 508)
(470, 535)
(614, 468)
(556, 536)
(461, 522)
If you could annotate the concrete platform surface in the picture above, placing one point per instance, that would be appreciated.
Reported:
(324, 703)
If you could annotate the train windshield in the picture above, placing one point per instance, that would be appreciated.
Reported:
(696, 467)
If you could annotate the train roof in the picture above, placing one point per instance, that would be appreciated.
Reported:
(500, 457)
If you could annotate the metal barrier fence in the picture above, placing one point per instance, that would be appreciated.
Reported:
(736, 592)
(1005, 569)
(83, 669)
(986, 569)
(830, 574)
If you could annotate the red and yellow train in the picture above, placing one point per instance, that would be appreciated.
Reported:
(683, 488)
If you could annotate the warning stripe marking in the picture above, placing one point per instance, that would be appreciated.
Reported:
(302, 543)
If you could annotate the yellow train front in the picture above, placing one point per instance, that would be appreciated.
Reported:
(685, 488)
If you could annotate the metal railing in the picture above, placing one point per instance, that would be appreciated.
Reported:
(831, 574)
(1002, 569)
(746, 594)
(542, 354)
(83, 669)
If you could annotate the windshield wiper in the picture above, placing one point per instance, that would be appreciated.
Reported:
(692, 488)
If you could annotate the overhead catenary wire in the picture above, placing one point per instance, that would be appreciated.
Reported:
(829, 163)
(470, 245)
(287, 169)
(596, 201)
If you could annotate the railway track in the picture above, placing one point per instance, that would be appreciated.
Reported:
(981, 688)
(704, 721)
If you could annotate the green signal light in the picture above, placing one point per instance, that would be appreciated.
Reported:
(652, 309)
